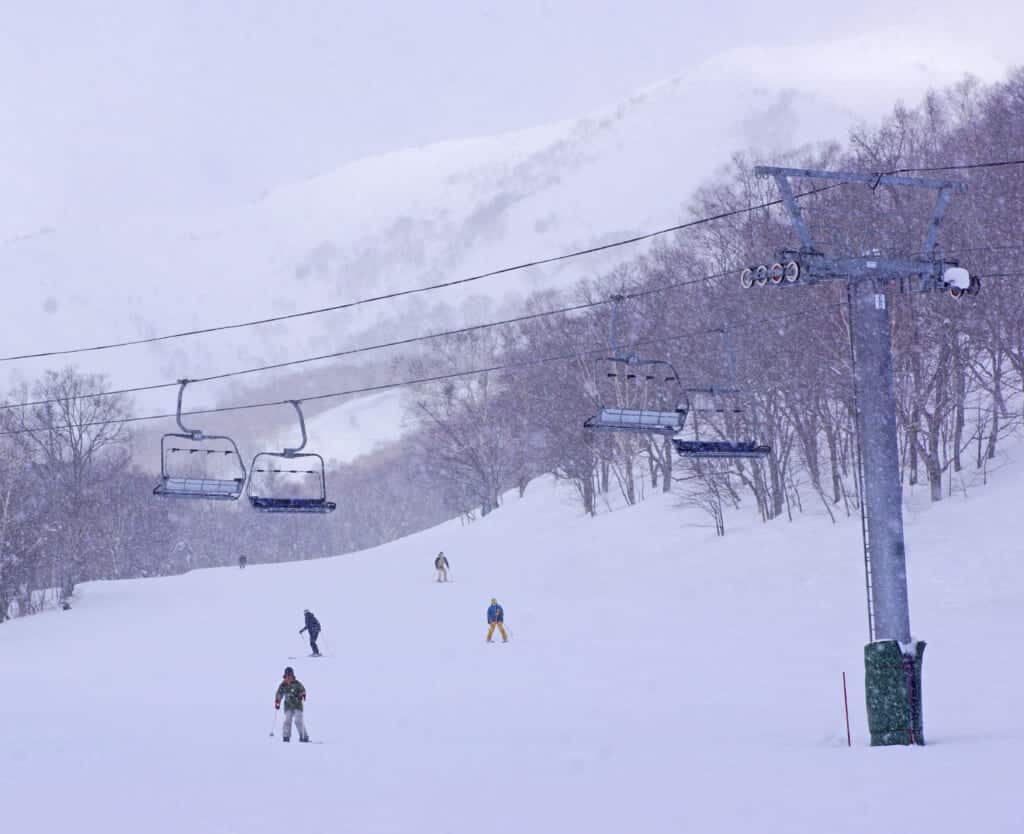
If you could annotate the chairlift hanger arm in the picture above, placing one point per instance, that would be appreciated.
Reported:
(730, 356)
(793, 210)
(932, 235)
(613, 333)
(297, 404)
(195, 434)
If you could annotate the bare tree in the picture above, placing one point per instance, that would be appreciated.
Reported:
(73, 442)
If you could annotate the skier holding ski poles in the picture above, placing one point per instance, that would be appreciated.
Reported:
(313, 627)
(293, 694)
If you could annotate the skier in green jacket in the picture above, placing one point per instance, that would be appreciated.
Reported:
(293, 693)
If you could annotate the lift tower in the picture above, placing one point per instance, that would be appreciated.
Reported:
(892, 659)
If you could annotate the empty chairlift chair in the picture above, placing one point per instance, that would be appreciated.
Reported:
(289, 481)
(715, 403)
(635, 394)
(720, 407)
(194, 464)
(645, 398)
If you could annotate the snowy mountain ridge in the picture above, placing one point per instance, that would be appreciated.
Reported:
(417, 216)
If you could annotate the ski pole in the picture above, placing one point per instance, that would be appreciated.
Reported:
(846, 710)
(273, 725)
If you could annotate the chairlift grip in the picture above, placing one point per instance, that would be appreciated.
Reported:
(613, 341)
(297, 404)
(730, 355)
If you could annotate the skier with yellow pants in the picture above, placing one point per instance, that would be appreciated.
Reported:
(496, 618)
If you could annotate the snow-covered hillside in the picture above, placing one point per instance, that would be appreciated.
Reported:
(416, 216)
(658, 680)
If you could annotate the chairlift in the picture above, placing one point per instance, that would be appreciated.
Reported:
(646, 391)
(268, 494)
(716, 400)
(193, 454)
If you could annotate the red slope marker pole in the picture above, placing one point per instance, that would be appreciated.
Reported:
(846, 710)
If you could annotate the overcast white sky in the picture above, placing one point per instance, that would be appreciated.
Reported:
(168, 105)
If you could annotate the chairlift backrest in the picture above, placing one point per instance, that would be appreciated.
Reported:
(713, 400)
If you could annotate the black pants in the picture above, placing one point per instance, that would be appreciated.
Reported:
(313, 634)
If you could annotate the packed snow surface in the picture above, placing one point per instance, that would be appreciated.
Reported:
(658, 680)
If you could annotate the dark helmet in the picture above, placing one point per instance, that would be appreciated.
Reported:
(289, 672)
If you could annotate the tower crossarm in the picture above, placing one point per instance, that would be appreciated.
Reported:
(873, 180)
(810, 263)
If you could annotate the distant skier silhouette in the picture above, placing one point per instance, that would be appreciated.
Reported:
(313, 627)
(441, 565)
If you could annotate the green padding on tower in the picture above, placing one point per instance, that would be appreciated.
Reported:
(893, 683)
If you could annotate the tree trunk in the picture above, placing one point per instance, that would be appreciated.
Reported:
(912, 440)
(960, 394)
(997, 407)
(666, 466)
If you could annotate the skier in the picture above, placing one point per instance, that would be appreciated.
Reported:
(294, 695)
(313, 627)
(496, 617)
(243, 561)
(441, 565)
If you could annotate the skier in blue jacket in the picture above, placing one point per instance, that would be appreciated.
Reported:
(496, 619)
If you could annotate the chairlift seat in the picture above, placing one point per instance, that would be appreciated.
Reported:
(292, 505)
(216, 489)
(638, 420)
(719, 449)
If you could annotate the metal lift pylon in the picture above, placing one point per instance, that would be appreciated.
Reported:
(892, 658)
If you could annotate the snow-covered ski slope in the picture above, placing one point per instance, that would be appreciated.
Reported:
(657, 680)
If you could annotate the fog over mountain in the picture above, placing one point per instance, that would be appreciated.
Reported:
(426, 214)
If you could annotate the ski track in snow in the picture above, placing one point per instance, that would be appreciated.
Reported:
(657, 680)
